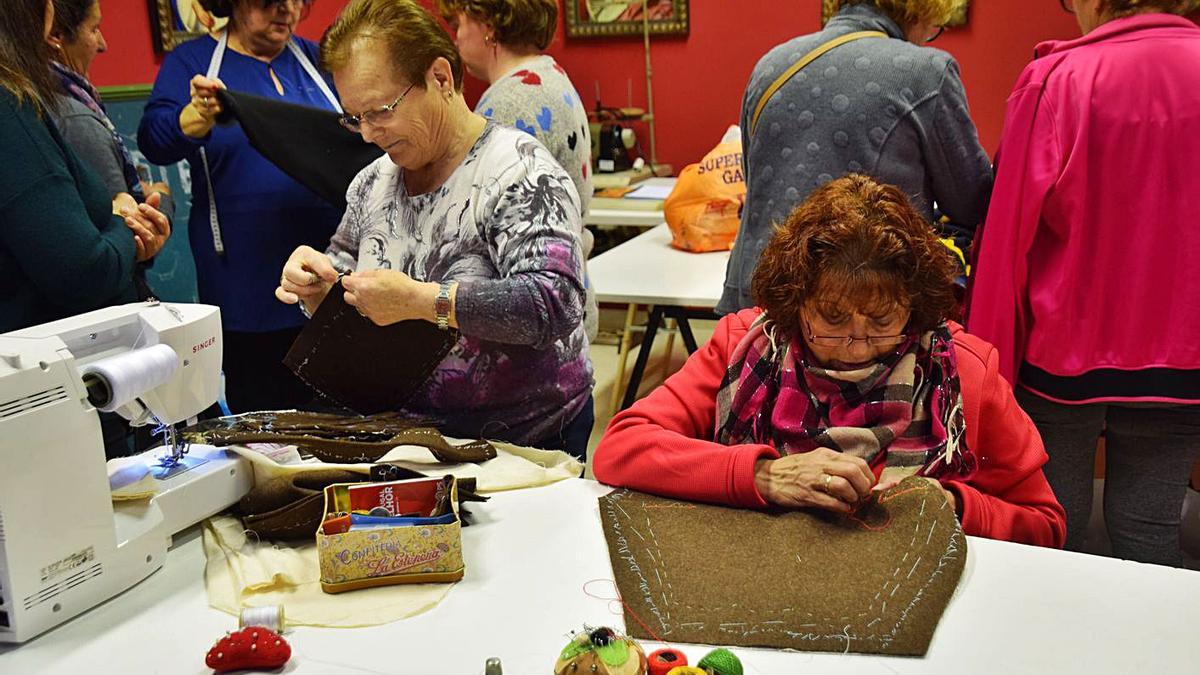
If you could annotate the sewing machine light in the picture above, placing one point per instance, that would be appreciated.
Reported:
(174, 461)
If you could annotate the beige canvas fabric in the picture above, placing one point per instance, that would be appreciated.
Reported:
(242, 572)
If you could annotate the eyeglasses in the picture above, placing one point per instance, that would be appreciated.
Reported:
(938, 34)
(287, 5)
(849, 340)
(268, 4)
(374, 117)
(1068, 6)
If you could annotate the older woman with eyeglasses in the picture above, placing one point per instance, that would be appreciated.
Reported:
(463, 223)
(847, 377)
(1086, 276)
(865, 94)
(246, 215)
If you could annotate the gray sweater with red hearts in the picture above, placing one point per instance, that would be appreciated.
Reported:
(539, 99)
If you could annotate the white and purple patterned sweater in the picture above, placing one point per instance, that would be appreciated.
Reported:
(505, 225)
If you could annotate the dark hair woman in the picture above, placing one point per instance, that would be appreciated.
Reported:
(247, 215)
(845, 376)
(75, 40)
(66, 244)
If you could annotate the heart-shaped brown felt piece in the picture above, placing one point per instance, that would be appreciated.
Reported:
(873, 582)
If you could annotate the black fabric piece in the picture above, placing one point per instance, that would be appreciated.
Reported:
(306, 143)
(255, 377)
(1110, 382)
(365, 367)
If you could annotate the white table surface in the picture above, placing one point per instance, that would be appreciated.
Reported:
(1018, 609)
(629, 217)
(647, 270)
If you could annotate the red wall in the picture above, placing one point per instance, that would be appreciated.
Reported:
(698, 79)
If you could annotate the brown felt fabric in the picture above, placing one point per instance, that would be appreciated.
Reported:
(338, 439)
(291, 506)
(365, 367)
(876, 583)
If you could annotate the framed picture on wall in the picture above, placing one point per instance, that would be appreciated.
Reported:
(829, 8)
(605, 18)
(177, 21)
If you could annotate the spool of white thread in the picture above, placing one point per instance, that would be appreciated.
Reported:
(117, 380)
(267, 616)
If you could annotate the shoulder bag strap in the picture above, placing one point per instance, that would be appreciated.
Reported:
(808, 58)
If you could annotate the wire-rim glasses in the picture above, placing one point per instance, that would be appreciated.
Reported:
(849, 340)
(374, 117)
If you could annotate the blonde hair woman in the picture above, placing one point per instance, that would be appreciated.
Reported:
(868, 97)
(462, 223)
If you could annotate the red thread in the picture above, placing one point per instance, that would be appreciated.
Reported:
(663, 660)
(881, 499)
(892, 495)
(867, 526)
(624, 604)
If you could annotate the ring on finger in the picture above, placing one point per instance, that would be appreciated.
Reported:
(313, 278)
(827, 481)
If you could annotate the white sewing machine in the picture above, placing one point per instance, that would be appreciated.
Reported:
(65, 546)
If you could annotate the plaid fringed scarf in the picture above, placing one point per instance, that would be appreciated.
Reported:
(907, 406)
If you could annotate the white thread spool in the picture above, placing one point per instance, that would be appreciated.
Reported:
(117, 380)
(267, 616)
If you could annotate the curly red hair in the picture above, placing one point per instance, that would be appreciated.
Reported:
(856, 244)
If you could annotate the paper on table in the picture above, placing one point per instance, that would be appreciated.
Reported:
(650, 191)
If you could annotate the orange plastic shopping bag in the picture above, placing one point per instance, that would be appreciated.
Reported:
(704, 210)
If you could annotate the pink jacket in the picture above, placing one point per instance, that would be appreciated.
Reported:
(1088, 264)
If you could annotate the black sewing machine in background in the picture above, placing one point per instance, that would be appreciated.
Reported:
(613, 139)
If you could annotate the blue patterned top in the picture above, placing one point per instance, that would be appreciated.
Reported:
(505, 225)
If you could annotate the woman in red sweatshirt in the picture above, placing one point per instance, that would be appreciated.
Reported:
(845, 378)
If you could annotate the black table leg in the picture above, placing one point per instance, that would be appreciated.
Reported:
(639, 367)
(685, 329)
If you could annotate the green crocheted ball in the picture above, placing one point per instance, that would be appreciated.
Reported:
(721, 662)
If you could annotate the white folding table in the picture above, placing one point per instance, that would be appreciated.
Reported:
(538, 567)
(676, 284)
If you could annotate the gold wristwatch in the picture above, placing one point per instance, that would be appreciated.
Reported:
(441, 306)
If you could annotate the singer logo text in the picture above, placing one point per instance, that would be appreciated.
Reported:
(196, 349)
